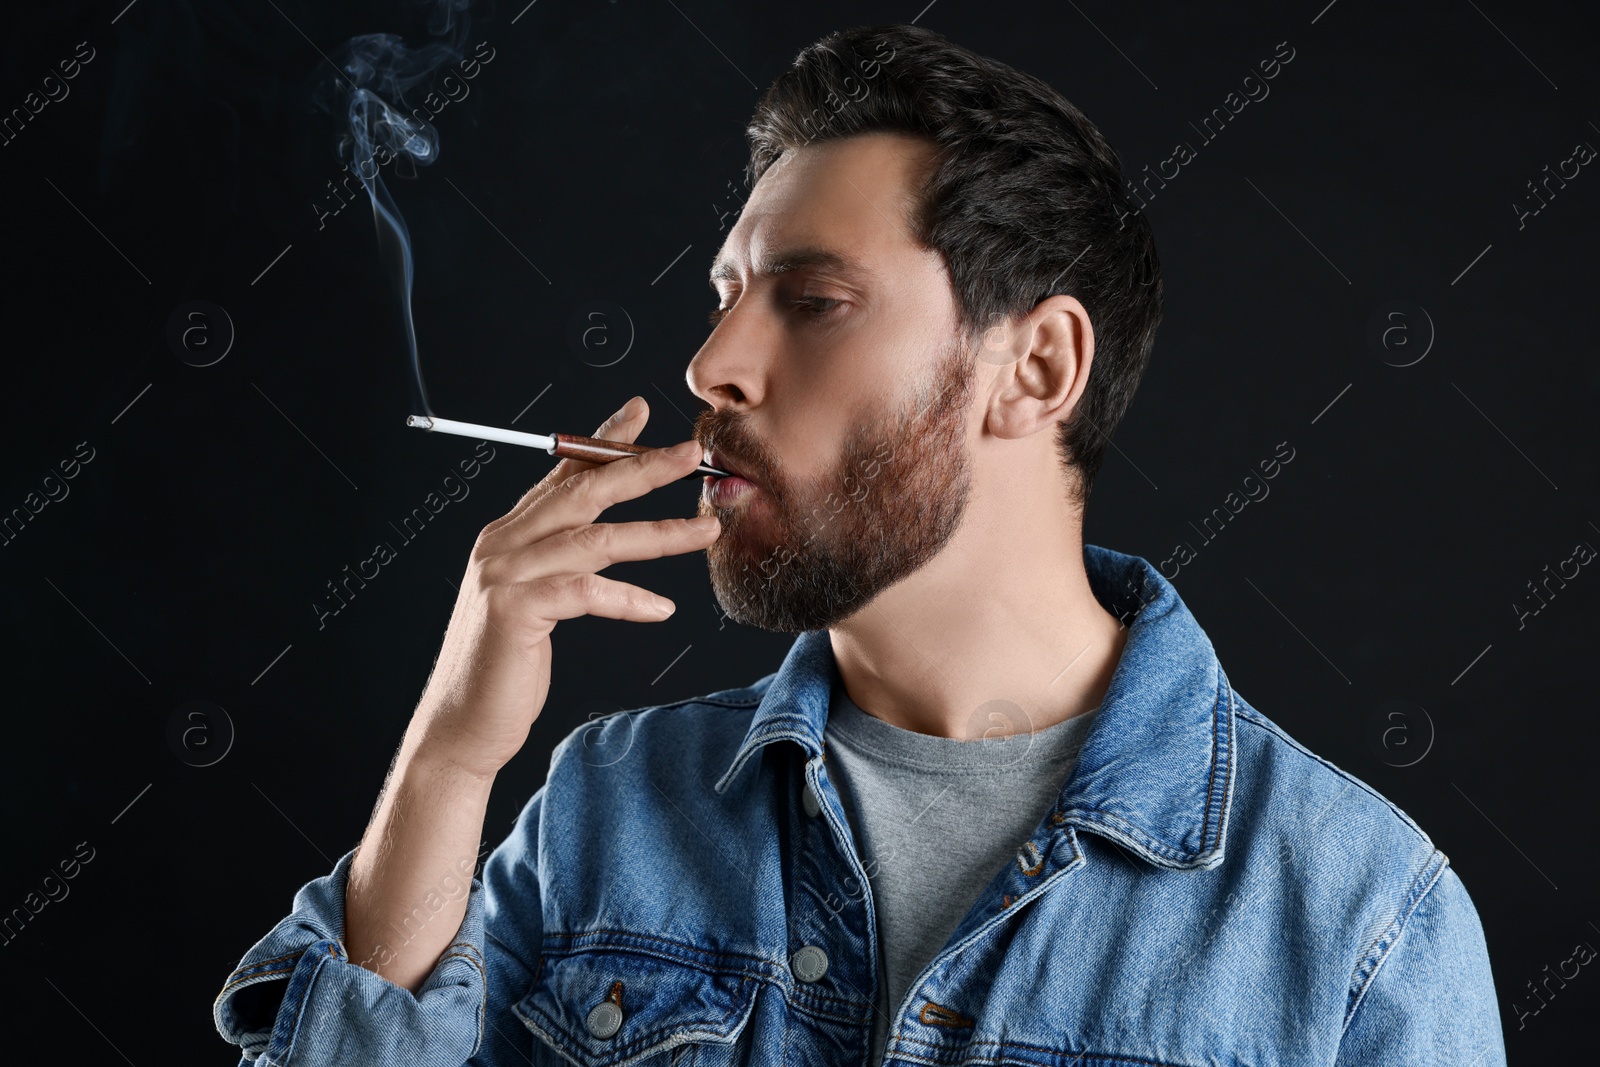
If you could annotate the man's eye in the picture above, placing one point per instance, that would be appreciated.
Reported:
(814, 305)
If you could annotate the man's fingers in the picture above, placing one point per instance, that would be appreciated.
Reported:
(623, 425)
(580, 499)
(599, 545)
(568, 596)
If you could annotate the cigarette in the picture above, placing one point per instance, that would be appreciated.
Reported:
(563, 445)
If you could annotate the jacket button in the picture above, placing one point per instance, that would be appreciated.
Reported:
(809, 964)
(604, 1019)
(809, 801)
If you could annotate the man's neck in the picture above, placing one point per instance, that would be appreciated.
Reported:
(984, 640)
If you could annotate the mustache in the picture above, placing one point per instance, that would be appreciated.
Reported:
(727, 433)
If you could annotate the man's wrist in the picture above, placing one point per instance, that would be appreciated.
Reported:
(445, 765)
(442, 757)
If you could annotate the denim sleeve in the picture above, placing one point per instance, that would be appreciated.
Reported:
(298, 1000)
(1431, 999)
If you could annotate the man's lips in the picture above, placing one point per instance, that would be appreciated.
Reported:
(721, 462)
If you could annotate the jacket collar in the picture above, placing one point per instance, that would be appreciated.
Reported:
(1155, 773)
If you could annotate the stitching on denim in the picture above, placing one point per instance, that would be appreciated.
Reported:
(774, 735)
(1232, 742)
(615, 996)
(812, 1001)
(801, 1000)
(1006, 899)
(1221, 750)
(691, 702)
(684, 953)
(750, 745)
(244, 974)
(1114, 825)
(1211, 780)
(748, 702)
(1255, 718)
(463, 956)
(741, 998)
(898, 1036)
(294, 1019)
(471, 950)
(1030, 1047)
(465, 946)
(675, 705)
(1373, 959)
(257, 974)
(806, 996)
(1038, 858)
(275, 959)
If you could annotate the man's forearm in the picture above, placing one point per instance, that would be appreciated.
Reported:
(411, 876)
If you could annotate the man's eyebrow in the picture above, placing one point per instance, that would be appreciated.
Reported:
(786, 260)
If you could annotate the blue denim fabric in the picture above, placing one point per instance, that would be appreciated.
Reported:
(1205, 891)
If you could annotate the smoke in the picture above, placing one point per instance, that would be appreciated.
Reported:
(382, 126)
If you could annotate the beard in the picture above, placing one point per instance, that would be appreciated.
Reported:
(798, 555)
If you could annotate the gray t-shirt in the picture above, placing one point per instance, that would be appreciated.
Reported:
(935, 818)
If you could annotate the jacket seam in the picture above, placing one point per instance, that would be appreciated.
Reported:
(1383, 945)
(462, 947)
(670, 1033)
(681, 955)
(293, 1035)
(1004, 1045)
(786, 728)
(1211, 777)
(1124, 832)
(577, 731)
(816, 1005)
(1250, 715)
(1232, 773)
(741, 1004)
(671, 951)
(734, 705)
(1208, 840)
(992, 923)
(469, 957)
(1224, 752)
(250, 979)
(253, 971)
(721, 701)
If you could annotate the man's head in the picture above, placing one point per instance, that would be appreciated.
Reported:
(934, 251)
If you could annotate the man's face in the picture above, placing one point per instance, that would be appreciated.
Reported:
(840, 389)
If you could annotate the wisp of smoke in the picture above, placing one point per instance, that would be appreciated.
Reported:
(377, 70)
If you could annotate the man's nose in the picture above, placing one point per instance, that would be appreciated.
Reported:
(729, 370)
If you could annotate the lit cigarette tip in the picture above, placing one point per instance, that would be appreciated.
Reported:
(421, 422)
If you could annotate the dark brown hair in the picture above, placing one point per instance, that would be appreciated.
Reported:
(1024, 199)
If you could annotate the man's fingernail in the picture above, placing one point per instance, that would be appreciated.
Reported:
(685, 448)
(627, 410)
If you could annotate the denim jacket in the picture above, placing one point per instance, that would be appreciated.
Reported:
(684, 890)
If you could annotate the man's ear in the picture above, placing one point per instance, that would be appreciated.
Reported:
(1042, 362)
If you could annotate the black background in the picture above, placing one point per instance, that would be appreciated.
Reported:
(600, 142)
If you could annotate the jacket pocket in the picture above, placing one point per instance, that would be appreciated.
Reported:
(612, 1007)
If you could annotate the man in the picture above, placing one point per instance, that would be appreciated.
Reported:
(999, 804)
